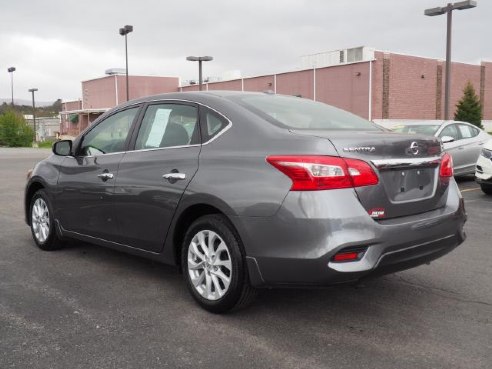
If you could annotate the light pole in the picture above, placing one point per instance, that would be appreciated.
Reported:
(199, 59)
(124, 32)
(448, 10)
(33, 90)
(11, 70)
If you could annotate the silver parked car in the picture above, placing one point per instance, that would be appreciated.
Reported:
(249, 190)
(462, 140)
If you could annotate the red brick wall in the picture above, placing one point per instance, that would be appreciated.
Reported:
(296, 83)
(345, 86)
(260, 84)
(234, 85)
(99, 93)
(412, 87)
(141, 86)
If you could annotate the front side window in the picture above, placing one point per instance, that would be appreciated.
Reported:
(450, 131)
(110, 135)
(168, 125)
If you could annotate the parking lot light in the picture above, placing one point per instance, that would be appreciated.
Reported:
(124, 32)
(448, 9)
(33, 90)
(199, 59)
(11, 70)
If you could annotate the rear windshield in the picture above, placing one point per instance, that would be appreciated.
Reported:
(424, 129)
(298, 113)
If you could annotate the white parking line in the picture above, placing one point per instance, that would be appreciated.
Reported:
(470, 189)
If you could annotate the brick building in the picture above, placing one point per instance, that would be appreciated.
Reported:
(376, 85)
(102, 94)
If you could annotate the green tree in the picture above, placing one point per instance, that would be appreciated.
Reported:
(469, 108)
(14, 131)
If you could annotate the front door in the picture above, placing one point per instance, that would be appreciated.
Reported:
(86, 181)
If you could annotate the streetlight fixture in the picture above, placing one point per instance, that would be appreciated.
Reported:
(33, 90)
(199, 59)
(124, 32)
(448, 9)
(11, 70)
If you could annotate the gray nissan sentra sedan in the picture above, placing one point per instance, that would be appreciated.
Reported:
(249, 190)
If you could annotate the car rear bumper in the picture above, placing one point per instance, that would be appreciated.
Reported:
(296, 248)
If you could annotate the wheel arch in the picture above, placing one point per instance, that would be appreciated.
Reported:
(186, 217)
(31, 189)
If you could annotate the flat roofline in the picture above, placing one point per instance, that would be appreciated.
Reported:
(85, 111)
(431, 58)
(129, 76)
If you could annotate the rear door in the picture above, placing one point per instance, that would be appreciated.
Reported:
(86, 181)
(472, 145)
(154, 175)
(455, 148)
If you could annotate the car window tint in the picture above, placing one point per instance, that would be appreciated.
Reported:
(109, 135)
(167, 125)
(450, 131)
(425, 129)
(465, 131)
(214, 123)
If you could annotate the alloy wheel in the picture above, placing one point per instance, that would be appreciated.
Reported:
(209, 265)
(40, 220)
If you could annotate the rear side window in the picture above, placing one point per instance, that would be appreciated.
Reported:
(168, 125)
(212, 124)
(451, 131)
(467, 131)
(302, 114)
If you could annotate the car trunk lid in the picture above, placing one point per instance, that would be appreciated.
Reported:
(407, 167)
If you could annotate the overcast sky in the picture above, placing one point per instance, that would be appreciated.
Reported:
(55, 44)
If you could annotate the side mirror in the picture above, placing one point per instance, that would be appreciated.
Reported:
(446, 139)
(62, 148)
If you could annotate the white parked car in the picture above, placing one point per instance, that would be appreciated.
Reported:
(463, 141)
(483, 173)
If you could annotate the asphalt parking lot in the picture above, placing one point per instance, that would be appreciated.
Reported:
(90, 307)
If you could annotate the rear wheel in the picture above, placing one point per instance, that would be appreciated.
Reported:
(487, 189)
(42, 223)
(214, 265)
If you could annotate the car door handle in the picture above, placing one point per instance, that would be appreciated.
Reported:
(174, 176)
(106, 176)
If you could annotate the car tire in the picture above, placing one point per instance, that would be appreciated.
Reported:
(486, 189)
(214, 265)
(42, 223)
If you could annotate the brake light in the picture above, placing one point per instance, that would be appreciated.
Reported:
(311, 173)
(446, 168)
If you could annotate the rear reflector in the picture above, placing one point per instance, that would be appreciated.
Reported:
(311, 173)
(446, 168)
(349, 255)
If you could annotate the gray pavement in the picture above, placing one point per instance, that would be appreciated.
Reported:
(90, 307)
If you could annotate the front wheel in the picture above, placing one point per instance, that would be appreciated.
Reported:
(42, 223)
(214, 266)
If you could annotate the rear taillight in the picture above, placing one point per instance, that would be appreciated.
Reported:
(446, 168)
(311, 173)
